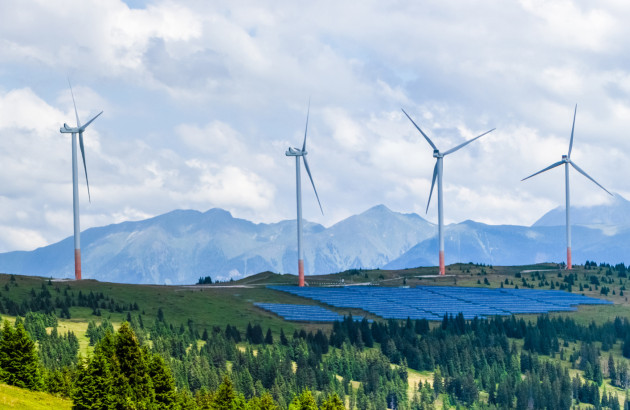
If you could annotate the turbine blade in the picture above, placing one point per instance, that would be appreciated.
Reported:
(75, 105)
(581, 171)
(306, 129)
(421, 132)
(308, 171)
(546, 169)
(435, 172)
(450, 151)
(84, 166)
(572, 128)
(90, 122)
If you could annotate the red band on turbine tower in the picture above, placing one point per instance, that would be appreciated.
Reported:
(300, 272)
(569, 266)
(77, 264)
(442, 270)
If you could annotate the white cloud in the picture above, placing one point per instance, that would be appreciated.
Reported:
(216, 137)
(347, 133)
(201, 100)
(229, 187)
(22, 109)
(573, 24)
(105, 39)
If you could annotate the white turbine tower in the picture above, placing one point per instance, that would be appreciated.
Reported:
(301, 153)
(437, 173)
(566, 160)
(75, 188)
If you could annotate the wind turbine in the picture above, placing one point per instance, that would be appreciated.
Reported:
(566, 160)
(66, 129)
(301, 153)
(437, 174)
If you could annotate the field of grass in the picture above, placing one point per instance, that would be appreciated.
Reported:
(206, 306)
(21, 399)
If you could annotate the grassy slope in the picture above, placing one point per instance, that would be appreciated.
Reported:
(206, 306)
(16, 398)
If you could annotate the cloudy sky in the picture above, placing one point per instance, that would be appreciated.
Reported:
(202, 99)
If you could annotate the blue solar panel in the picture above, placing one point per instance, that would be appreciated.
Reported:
(433, 302)
(303, 313)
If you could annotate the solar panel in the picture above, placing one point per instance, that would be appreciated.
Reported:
(432, 302)
(303, 313)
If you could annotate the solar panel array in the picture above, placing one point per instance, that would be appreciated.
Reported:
(303, 313)
(433, 302)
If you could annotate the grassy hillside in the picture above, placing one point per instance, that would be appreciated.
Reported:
(21, 399)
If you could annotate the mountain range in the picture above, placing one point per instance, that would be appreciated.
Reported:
(180, 246)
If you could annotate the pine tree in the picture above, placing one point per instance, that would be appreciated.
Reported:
(204, 399)
(249, 332)
(363, 403)
(257, 335)
(163, 382)
(415, 402)
(597, 374)
(267, 403)
(133, 383)
(19, 363)
(437, 382)
(264, 402)
(304, 401)
(353, 400)
(268, 337)
(245, 383)
(332, 402)
(186, 401)
(588, 371)
(225, 397)
(612, 372)
(93, 385)
(59, 382)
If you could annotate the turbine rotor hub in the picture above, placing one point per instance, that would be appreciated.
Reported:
(437, 154)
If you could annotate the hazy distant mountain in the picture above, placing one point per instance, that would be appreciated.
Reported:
(611, 218)
(509, 245)
(181, 246)
(368, 240)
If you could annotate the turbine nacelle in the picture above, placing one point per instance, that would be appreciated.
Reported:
(437, 154)
(295, 152)
(66, 129)
(565, 158)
